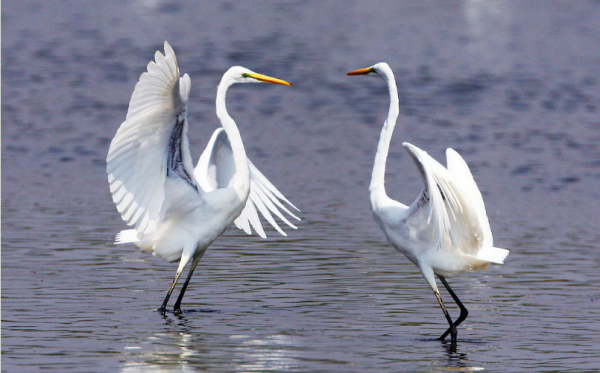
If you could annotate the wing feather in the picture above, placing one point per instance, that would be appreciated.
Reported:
(138, 154)
(270, 190)
(216, 168)
(249, 218)
(461, 174)
(258, 191)
(451, 211)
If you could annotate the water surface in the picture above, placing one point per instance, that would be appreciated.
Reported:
(513, 86)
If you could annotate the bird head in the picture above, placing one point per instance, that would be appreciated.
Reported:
(375, 70)
(239, 74)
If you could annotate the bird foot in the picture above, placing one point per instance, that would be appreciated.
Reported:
(453, 334)
(450, 347)
(162, 310)
(177, 311)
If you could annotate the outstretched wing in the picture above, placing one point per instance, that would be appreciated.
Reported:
(151, 145)
(215, 170)
(461, 174)
(451, 211)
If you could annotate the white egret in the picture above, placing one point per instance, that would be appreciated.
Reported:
(446, 230)
(178, 211)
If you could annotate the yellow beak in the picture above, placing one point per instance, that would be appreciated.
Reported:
(268, 79)
(364, 71)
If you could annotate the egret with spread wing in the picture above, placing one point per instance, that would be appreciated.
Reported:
(446, 230)
(178, 211)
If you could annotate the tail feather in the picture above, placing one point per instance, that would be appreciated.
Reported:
(493, 254)
(127, 236)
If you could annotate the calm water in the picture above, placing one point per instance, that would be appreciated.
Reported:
(513, 86)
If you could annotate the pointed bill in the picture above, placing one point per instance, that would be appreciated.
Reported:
(364, 71)
(268, 79)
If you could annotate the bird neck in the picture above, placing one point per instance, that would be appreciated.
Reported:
(241, 179)
(377, 187)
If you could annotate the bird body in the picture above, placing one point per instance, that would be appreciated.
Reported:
(178, 211)
(409, 233)
(445, 231)
(410, 229)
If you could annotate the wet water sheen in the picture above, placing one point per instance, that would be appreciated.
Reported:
(513, 86)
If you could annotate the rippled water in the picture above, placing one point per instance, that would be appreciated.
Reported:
(513, 86)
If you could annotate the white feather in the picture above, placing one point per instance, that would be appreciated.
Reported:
(136, 171)
(177, 211)
(127, 236)
(215, 169)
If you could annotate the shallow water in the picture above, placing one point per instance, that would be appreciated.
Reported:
(513, 86)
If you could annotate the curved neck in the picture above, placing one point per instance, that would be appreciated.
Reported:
(377, 187)
(241, 179)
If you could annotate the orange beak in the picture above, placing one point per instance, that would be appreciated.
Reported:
(364, 71)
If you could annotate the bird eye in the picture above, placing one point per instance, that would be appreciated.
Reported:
(245, 75)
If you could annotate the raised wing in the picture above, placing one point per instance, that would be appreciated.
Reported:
(151, 145)
(451, 211)
(215, 170)
(461, 174)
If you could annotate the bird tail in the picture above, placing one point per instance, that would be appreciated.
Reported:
(127, 236)
(493, 254)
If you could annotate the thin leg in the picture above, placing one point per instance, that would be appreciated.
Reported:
(452, 327)
(196, 260)
(163, 308)
(463, 310)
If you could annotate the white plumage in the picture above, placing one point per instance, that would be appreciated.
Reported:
(446, 230)
(178, 211)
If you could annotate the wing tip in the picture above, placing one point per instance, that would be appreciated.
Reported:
(408, 145)
(169, 50)
(126, 236)
(414, 151)
(494, 255)
(451, 151)
(453, 157)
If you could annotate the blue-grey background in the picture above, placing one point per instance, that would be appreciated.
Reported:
(514, 86)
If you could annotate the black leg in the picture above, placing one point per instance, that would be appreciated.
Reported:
(463, 310)
(452, 326)
(196, 260)
(163, 308)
